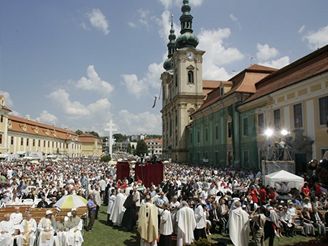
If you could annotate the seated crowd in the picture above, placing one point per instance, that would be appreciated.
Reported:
(191, 203)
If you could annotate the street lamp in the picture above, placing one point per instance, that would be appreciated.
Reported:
(268, 132)
(284, 132)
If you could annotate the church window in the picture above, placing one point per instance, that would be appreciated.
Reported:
(323, 109)
(1, 118)
(190, 77)
(229, 129)
(245, 126)
(176, 79)
(216, 132)
(0, 138)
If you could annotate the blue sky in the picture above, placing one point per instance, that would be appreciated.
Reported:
(78, 64)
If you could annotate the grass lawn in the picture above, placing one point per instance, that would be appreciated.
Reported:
(103, 235)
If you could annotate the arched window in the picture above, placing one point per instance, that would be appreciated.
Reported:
(190, 77)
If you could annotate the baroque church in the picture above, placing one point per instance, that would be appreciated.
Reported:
(221, 123)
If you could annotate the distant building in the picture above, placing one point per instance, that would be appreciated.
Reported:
(91, 146)
(154, 145)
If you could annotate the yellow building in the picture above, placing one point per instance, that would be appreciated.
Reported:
(91, 146)
(294, 98)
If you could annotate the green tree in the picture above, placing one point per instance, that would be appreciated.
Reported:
(93, 133)
(105, 158)
(120, 137)
(129, 149)
(78, 132)
(141, 148)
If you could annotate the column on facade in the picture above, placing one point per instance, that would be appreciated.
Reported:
(310, 124)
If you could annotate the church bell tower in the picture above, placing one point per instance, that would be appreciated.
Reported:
(182, 87)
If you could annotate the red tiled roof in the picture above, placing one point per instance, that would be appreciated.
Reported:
(243, 82)
(23, 125)
(304, 68)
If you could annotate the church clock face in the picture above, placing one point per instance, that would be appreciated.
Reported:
(190, 56)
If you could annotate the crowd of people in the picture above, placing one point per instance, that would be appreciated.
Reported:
(190, 204)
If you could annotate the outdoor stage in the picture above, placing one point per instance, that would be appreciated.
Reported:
(147, 172)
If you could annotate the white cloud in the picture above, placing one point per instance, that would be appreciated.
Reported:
(217, 55)
(98, 20)
(8, 100)
(47, 117)
(301, 29)
(93, 82)
(278, 63)
(265, 55)
(168, 3)
(151, 80)
(317, 39)
(132, 24)
(71, 108)
(144, 122)
(76, 109)
(233, 17)
(265, 52)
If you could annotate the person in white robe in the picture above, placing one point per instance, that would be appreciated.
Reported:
(61, 231)
(239, 225)
(17, 218)
(7, 231)
(118, 209)
(28, 230)
(46, 236)
(165, 226)
(186, 225)
(174, 207)
(74, 235)
(111, 200)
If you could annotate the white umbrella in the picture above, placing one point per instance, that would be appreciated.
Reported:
(71, 201)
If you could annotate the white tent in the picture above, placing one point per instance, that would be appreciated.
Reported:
(283, 181)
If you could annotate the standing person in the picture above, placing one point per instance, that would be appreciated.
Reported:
(118, 209)
(258, 226)
(46, 237)
(148, 223)
(28, 227)
(200, 217)
(165, 226)
(111, 200)
(92, 209)
(239, 225)
(97, 198)
(129, 217)
(186, 224)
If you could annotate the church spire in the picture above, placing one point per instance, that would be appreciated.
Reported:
(171, 44)
(187, 38)
(171, 48)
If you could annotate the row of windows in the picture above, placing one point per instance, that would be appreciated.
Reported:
(37, 142)
(297, 115)
(216, 129)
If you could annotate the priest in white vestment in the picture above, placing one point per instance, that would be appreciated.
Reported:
(239, 225)
(74, 235)
(186, 225)
(17, 218)
(118, 209)
(7, 231)
(165, 226)
(148, 223)
(61, 231)
(46, 237)
(28, 230)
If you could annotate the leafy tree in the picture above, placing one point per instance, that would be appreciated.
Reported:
(105, 158)
(129, 149)
(93, 133)
(79, 132)
(141, 148)
(120, 137)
